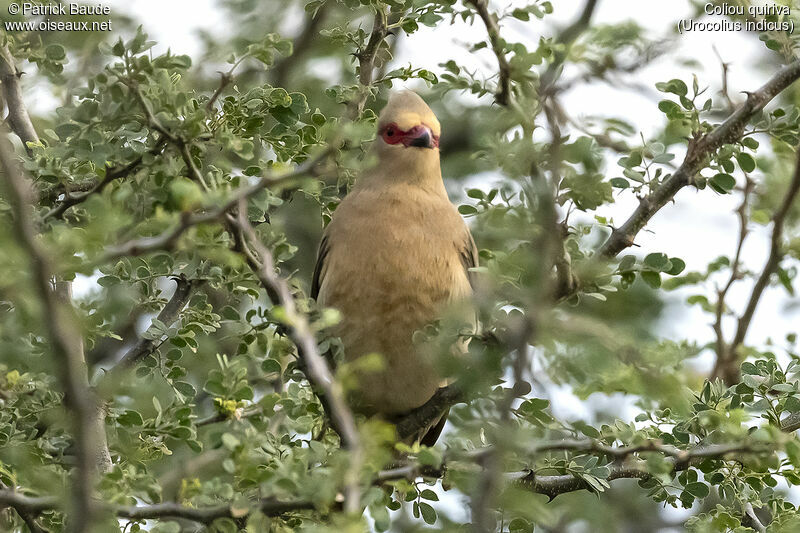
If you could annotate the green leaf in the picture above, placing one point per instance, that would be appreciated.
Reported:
(627, 263)
(174, 354)
(428, 494)
(674, 86)
(722, 183)
(678, 265)
(669, 108)
(187, 389)
(270, 366)
(130, 418)
(55, 52)
(230, 441)
(760, 216)
(697, 489)
(657, 261)
(428, 513)
(746, 162)
(750, 143)
(653, 279)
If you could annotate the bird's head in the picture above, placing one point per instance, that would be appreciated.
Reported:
(407, 128)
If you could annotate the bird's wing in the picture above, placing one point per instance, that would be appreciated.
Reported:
(322, 253)
(469, 257)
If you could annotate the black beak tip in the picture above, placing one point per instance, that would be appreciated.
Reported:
(423, 141)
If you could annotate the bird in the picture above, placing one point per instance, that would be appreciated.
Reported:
(395, 255)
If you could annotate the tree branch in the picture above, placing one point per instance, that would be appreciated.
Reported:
(167, 238)
(302, 43)
(204, 515)
(366, 63)
(28, 516)
(741, 211)
(553, 485)
(727, 367)
(503, 94)
(317, 370)
(145, 346)
(791, 423)
(566, 37)
(18, 118)
(700, 148)
(65, 343)
(112, 174)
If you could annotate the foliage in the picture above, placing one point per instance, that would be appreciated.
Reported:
(207, 403)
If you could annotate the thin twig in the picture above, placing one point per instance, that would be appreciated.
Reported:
(225, 79)
(503, 94)
(727, 368)
(724, 90)
(152, 121)
(366, 64)
(741, 211)
(112, 174)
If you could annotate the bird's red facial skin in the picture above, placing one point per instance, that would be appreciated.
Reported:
(391, 134)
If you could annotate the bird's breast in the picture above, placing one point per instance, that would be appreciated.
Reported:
(393, 267)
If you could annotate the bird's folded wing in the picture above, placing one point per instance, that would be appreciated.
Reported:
(316, 280)
(469, 257)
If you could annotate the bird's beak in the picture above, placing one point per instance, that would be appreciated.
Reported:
(423, 138)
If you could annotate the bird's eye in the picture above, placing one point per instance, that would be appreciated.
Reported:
(392, 134)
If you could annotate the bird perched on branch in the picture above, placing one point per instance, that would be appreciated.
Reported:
(395, 255)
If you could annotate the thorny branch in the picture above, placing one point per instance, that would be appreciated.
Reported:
(700, 149)
(719, 310)
(18, 118)
(317, 370)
